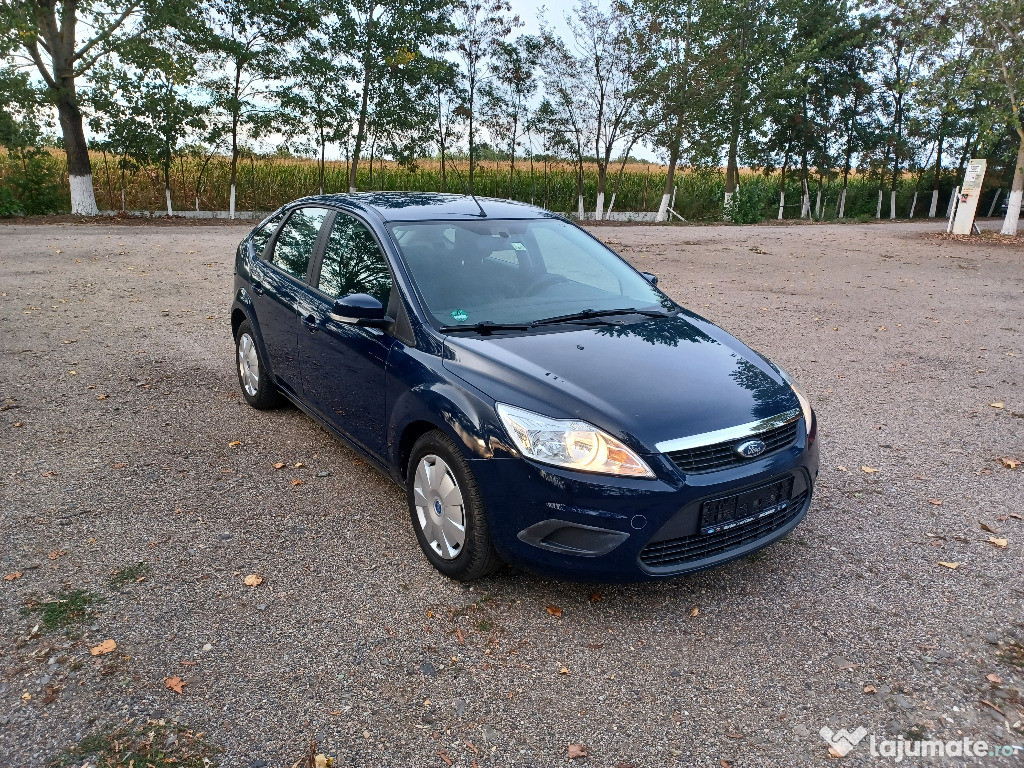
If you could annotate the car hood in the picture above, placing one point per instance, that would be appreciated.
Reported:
(644, 382)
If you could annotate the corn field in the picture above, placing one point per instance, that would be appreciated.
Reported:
(264, 183)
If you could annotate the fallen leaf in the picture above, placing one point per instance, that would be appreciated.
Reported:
(174, 684)
(1015, 516)
(994, 678)
(55, 554)
(577, 751)
(458, 632)
(869, 470)
(280, 465)
(936, 502)
(299, 465)
(563, 670)
(996, 542)
(554, 610)
(252, 580)
(882, 328)
(695, 611)
(298, 482)
(119, 465)
(235, 443)
(103, 648)
(951, 566)
(445, 757)
(1009, 463)
(13, 576)
(724, 763)
(841, 468)
(870, 689)
(987, 529)
(998, 405)
(596, 597)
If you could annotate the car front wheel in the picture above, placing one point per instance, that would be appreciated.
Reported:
(447, 512)
(257, 388)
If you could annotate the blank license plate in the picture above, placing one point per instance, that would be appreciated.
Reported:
(730, 511)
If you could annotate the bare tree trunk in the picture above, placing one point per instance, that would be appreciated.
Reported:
(1013, 203)
(932, 209)
(666, 194)
(363, 108)
(83, 198)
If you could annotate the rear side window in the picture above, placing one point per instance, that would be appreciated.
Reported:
(262, 236)
(353, 262)
(295, 242)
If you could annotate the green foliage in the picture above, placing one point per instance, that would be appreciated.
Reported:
(154, 744)
(66, 610)
(129, 575)
(750, 202)
(31, 182)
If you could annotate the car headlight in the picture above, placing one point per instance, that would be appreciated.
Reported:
(805, 404)
(569, 443)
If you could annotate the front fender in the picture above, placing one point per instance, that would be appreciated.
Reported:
(420, 393)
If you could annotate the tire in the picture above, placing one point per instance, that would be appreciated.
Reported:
(253, 378)
(438, 480)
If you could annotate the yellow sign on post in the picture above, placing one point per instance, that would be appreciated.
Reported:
(970, 196)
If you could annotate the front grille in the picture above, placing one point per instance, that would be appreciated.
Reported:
(675, 552)
(707, 458)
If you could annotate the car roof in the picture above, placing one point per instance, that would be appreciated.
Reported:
(428, 206)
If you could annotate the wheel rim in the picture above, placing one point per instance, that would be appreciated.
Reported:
(439, 507)
(248, 365)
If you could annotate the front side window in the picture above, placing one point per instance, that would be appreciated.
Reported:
(353, 262)
(517, 271)
(295, 242)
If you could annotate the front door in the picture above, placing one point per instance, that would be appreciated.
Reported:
(343, 364)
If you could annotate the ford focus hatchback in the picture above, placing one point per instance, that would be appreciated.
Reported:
(541, 401)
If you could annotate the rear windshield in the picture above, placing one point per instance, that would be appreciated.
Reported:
(516, 271)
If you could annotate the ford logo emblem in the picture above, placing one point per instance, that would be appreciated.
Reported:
(750, 448)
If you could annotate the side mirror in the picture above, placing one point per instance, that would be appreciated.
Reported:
(360, 309)
(650, 278)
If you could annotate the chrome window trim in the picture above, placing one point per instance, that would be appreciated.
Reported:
(728, 434)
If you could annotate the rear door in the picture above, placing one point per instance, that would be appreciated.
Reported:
(282, 289)
(343, 364)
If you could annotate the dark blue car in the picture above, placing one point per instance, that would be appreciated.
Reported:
(541, 401)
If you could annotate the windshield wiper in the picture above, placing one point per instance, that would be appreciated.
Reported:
(589, 314)
(485, 327)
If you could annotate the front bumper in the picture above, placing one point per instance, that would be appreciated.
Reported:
(607, 529)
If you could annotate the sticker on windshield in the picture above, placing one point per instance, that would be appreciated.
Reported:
(459, 315)
(519, 246)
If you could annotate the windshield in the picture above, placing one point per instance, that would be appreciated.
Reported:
(517, 271)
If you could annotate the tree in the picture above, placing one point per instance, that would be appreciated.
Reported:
(595, 80)
(506, 96)
(1001, 38)
(49, 35)
(315, 100)
(679, 95)
(391, 41)
(481, 25)
(246, 41)
(142, 104)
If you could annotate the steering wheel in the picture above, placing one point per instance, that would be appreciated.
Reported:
(544, 282)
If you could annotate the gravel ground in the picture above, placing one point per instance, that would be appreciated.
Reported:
(125, 441)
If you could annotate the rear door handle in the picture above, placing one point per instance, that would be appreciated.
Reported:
(310, 322)
(257, 288)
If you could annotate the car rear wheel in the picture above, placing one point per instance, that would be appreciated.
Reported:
(257, 388)
(447, 512)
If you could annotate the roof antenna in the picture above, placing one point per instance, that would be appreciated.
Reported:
(468, 191)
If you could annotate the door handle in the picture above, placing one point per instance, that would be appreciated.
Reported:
(310, 322)
(257, 288)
